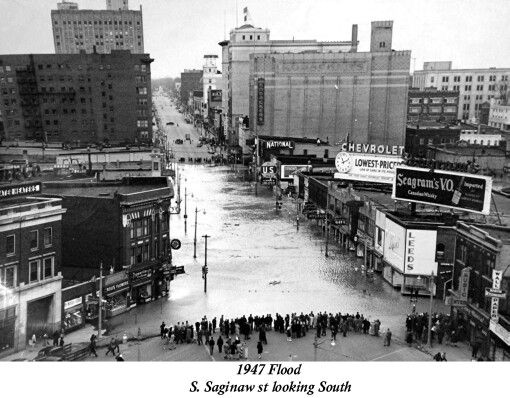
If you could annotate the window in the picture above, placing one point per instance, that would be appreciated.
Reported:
(382, 44)
(139, 254)
(145, 226)
(48, 236)
(445, 79)
(138, 224)
(480, 78)
(143, 68)
(34, 240)
(467, 88)
(244, 37)
(33, 271)
(145, 252)
(444, 88)
(258, 37)
(48, 270)
(132, 256)
(10, 245)
(469, 78)
(142, 90)
(432, 79)
(8, 276)
(456, 79)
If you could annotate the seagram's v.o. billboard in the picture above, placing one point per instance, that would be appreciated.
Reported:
(454, 190)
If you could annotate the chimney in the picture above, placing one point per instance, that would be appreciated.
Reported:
(354, 38)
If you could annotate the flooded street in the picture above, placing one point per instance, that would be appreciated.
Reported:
(252, 245)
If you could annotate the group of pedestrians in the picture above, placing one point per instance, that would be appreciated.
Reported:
(444, 328)
(230, 331)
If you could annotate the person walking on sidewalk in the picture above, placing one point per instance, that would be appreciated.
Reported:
(199, 337)
(111, 347)
(211, 345)
(387, 338)
(162, 330)
(220, 343)
(92, 346)
(260, 349)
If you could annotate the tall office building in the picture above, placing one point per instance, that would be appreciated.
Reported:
(475, 86)
(246, 40)
(335, 96)
(101, 31)
(191, 80)
(76, 98)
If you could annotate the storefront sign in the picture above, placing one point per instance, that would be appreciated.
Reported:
(494, 309)
(279, 144)
(496, 279)
(144, 274)
(124, 285)
(268, 171)
(497, 293)
(286, 170)
(366, 167)
(458, 303)
(340, 221)
(316, 216)
(394, 244)
(177, 270)
(420, 252)
(372, 148)
(72, 303)
(454, 190)
(11, 191)
(464, 284)
(500, 331)
(260, 101)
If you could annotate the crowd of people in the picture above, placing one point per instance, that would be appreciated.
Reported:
(444, 328)
(228, 340)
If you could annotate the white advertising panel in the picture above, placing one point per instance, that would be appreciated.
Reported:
(420, 252)
(286, 170)
(394, 244)
(366, 167)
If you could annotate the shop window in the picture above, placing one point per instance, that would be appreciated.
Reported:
(48, 236)
(139, 229)
(48, 267)
(132, 256)
(34, 240)
(33, 271)
(10, 245)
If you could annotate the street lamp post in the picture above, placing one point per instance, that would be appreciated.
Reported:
(195, 239)
(185, 209)
(326, 221)
(204, 269)
(431, 288)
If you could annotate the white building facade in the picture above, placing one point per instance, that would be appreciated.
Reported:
(475, 86)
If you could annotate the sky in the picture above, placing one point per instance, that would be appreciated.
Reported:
(471, 33)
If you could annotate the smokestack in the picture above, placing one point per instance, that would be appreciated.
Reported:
(354, 38)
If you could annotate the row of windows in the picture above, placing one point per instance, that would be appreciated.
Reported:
(108, 22)
(141, 253)
(468, 79)
(10, 242)
(8, 68)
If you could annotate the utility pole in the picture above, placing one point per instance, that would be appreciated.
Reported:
(204, 269)
(429, 330)
(100, 318)
(185, 209)
(256, 173)
(326, 222)
(195, 239)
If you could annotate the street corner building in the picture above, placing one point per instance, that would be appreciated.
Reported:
(123, 226)
(30, 263)
(78, 99)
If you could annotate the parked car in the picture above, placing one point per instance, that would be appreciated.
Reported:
(179, 141)
(170, 124)
(69, 352)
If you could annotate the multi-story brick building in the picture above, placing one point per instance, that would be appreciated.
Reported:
(432, 105)
(76, 98)
(334, 96)
(475, 86)
(247, 40)
(30, 262)
(122, 225)
(191, 79)
(116, 28)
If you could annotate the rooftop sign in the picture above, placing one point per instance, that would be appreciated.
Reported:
(27, 189)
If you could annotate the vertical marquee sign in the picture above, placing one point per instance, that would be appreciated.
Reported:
(260, 101)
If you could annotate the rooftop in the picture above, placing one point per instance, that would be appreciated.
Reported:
(92, 189)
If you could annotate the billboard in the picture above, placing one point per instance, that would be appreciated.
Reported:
(454, 190)
(366, 167)
(287, 170)
(27, 189)
(394, 244)
(420, 252)
(260, 101)
(215, 95)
